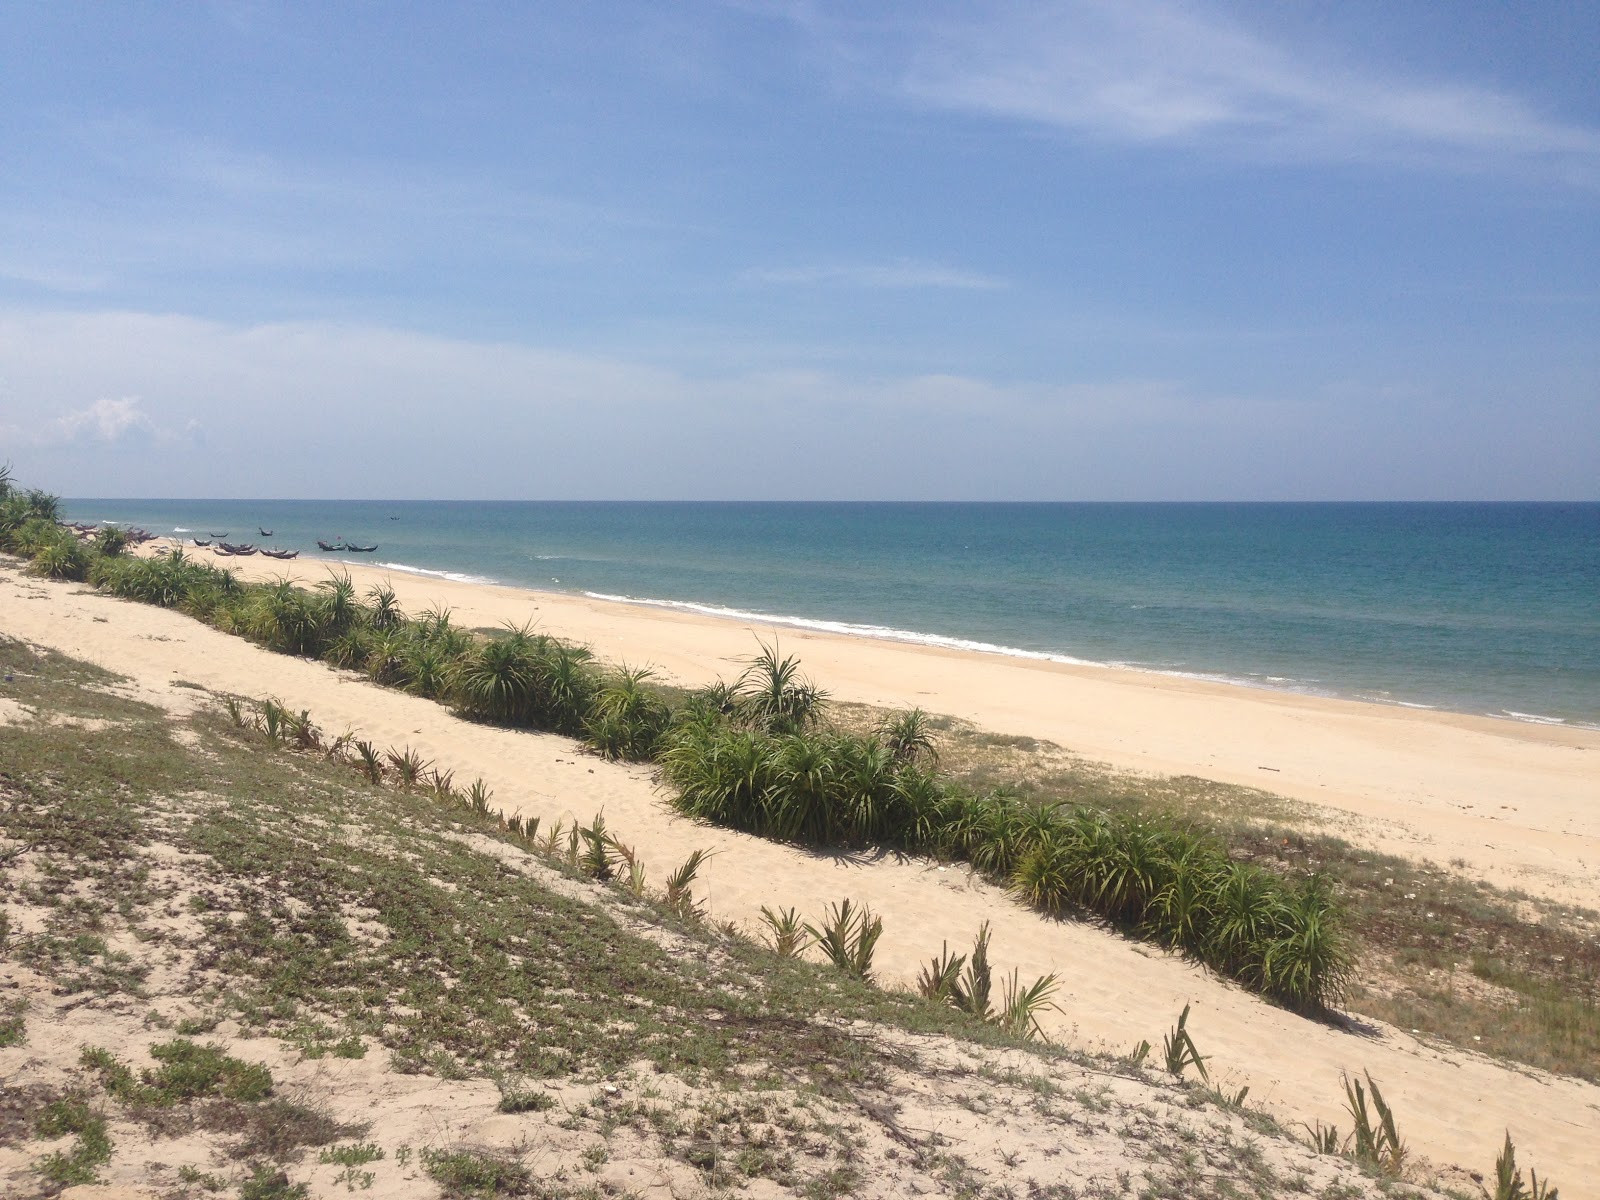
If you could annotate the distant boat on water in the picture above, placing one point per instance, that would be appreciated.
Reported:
(264, 532)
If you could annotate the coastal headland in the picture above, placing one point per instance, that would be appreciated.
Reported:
(1510, 803)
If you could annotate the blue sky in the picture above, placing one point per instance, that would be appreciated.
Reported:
(802, 250)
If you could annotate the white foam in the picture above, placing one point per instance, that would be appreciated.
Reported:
(181, 529)
(849, 629)
(1531, 718)
(453, 576)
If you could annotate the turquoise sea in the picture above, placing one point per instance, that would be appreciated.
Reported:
(1484, 608)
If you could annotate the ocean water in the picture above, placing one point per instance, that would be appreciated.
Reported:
(1483, 608)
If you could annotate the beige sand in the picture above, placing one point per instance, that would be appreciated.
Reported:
(1412, 773)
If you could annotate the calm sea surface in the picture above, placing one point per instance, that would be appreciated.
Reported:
(1489, 608)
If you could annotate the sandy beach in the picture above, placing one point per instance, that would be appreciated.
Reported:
(1517, 803)
(1511, 803)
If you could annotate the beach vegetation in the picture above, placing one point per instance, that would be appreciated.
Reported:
(967, 984)
(1508, 1183)
(848, 937)
(786, 933)
(1221, 874)
(391, 919)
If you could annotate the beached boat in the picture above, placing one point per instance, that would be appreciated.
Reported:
(222, 551)
(202, 541)
(281, 553)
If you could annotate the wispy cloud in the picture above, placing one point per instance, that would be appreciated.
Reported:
(899, 274)
(1152, 72)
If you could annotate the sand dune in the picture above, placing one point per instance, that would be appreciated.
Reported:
(1430, 784)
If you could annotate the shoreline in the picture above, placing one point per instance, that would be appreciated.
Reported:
(1512, 802)
(884, 633)
(1115, 991)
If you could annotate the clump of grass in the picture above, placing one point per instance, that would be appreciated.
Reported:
(270, 1183)
(13, 1020)
(518, 1096)
(471, 1173)
(187, 1071)
(73, 1115)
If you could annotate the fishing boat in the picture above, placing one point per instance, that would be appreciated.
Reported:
(322, 545)
(283, 554)
(202, 541)
(355, 549)
(264, 532)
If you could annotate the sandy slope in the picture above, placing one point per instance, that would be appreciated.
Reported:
(1408, 769)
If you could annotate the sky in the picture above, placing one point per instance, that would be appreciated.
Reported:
(1119, 250)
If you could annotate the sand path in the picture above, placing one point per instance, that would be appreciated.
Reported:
(1453, 1107)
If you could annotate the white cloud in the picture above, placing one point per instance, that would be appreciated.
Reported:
(1152, 72)
(106, 420)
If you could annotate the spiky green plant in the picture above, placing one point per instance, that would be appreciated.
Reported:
(409, 766)
(478, 797)
(626, 721)
(679, 895)
(774, 696)
(110, 540)
(497, 681)
(369, 761)
(939, 979)
(339, 608)
(1180, 1051)
(424, 669)
(1307, 966)
(1020, 1006)
(909, 738)
(1246, 908)
(865, 802)
(1374, 1144)
(848, 936)
(798, 802)
(786, 933)
(273, 721)
(598, 849)
(384, 612)
(442, 784)
(1508, 1178)
(60, 556)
